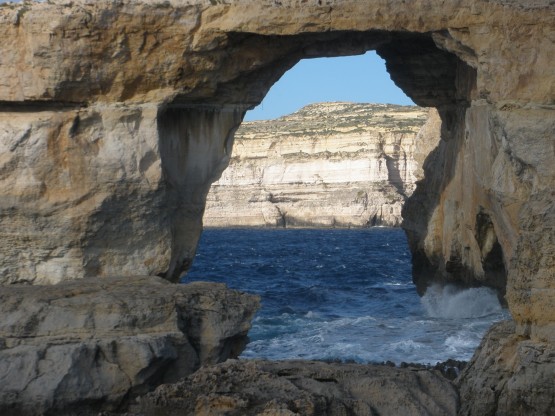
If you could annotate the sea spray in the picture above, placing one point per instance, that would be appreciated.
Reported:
(451, 302)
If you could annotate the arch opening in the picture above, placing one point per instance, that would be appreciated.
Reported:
(429, 75)
(435, 79)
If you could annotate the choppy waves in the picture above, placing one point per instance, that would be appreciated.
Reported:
(343, 295)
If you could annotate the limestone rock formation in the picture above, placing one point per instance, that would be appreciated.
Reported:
(116, 116)
(304, 388)
(97, 344)
(91, 191)
(510, 374)
(327, 165)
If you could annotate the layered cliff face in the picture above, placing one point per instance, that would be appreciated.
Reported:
(327, 165)
(117, 116)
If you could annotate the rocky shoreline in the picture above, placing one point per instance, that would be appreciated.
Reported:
(308, 388)
(145, 347)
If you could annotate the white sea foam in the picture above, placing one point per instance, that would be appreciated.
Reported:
(451, 302)
(406, 346)
(460, 341)
(311, 315)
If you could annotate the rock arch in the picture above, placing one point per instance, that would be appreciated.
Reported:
(116, 115)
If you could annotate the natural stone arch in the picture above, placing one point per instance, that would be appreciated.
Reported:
(280, 54)
(430, 76)
(87, 105)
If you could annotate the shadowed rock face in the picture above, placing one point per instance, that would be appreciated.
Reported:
(303, 388)
(116, 117)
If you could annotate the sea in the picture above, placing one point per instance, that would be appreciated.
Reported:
(343, 295)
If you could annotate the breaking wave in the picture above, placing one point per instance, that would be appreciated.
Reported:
(343, 295)
(450, 302)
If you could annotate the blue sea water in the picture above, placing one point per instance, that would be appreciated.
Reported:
(340, 294)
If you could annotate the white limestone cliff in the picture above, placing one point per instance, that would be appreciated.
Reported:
(327, 165)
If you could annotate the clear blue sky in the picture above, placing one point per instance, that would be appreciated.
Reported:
(361, 79)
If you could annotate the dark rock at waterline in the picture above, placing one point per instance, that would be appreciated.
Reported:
(303, 388)
(450, 369)
(91, 345)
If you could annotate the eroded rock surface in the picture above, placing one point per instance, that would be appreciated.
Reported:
(327, 165)
(93, 191)
(96, 344)
(304, 388)
(509, 375)
(117, 116)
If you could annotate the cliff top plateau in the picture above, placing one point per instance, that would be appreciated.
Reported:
(322, 119)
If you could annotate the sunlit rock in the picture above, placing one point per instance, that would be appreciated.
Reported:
(118, 115)
(327, 165)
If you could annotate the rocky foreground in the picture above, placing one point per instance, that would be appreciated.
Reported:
(519, 381)
(327, 165)
(147, 347)
(304, 388)
(97, 344)
(144, 347)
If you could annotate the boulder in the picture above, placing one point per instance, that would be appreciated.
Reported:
(96, 344)
(509, 375)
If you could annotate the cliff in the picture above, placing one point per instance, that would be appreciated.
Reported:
(327, 165)
(116, 117)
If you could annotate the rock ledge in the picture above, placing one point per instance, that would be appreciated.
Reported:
(304, 388)
(95, 344)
